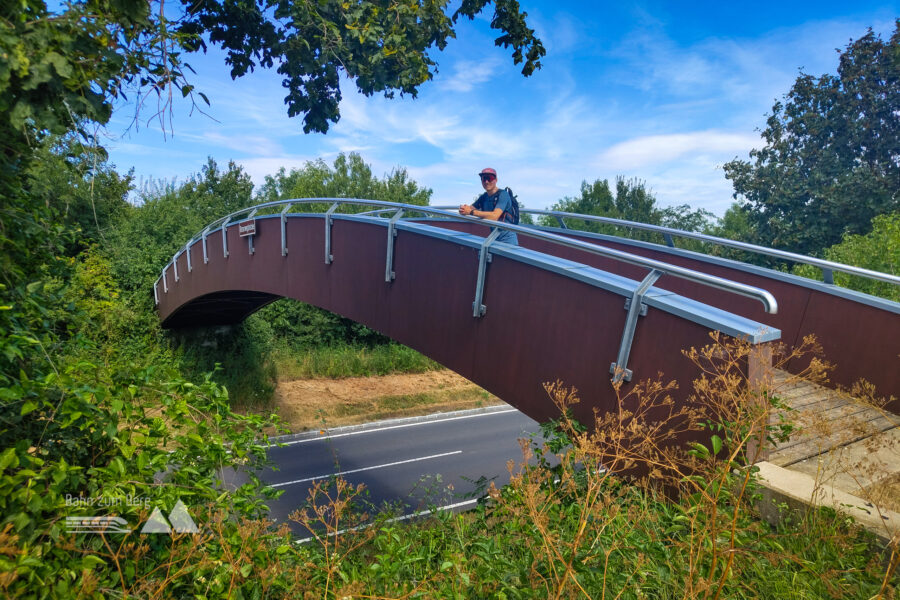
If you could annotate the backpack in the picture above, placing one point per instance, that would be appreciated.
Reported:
(512, 215)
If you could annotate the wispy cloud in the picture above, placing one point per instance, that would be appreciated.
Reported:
(468, 74)
(659, 149)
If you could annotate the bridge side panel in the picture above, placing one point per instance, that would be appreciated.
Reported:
(862, 341)
(552, 327)
(539, 325)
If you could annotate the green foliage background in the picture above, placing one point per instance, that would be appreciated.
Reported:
(831, 160)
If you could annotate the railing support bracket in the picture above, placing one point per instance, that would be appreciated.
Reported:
(205, 254)
(328, 222)
(636, 308)
(225, 238)
(478, 308)
(389, 274)
(250, 247)
(284, 249)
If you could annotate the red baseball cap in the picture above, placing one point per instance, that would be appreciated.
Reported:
(488, 171)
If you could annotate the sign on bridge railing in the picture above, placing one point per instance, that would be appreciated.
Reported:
(246, 228)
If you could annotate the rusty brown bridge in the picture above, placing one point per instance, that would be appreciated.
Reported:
(579, 307)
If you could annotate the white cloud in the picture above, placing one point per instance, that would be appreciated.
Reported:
(468, 74)
(258, 168)
(246, 144)
(660, 149)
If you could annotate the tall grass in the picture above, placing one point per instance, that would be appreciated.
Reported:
(341, 361)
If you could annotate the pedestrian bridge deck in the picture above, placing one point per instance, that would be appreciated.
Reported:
(826, 420)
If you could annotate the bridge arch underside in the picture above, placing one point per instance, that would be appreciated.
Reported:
(540, 325)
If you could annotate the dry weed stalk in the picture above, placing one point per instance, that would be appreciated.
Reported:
(338, 526)
(696, 455)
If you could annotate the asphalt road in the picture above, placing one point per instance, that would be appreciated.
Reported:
(409, 465)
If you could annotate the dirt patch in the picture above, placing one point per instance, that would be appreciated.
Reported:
(312, 403)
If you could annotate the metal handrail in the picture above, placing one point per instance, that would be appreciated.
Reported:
(768, 301)
(825, 265)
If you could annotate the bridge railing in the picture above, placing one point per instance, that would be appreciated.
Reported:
(660, 268)
(827, 267)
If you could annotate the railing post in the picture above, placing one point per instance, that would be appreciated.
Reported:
(669, 241)
(155, 293)
(250, 237)
(284, 249)
(328, 221)
(205, 254)
(478, 308)
(562, 223)
(187, 250)
(827, 276)
(175, 266)
(392, 233)
(165, 286)
(635, 308)
(225, 238)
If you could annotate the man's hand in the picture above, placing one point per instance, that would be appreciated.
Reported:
(466, 209)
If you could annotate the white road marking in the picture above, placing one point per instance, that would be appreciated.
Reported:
(395, 519)
(326, 436)
(393, 464)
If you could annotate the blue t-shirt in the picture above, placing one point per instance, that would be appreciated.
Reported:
(501, 200)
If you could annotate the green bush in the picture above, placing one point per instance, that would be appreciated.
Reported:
(878, 250)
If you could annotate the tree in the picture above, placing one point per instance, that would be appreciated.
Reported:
(165, 221)
(878, 250)
(76, 178)
(632, 202)
(832, 156)
(384, 47)
(349, 177)
(63, 68)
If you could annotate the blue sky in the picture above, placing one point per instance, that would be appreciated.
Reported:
(663, 91)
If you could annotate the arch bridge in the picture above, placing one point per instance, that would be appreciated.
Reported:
(587, 309)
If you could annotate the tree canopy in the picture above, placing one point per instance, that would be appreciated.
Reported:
(349, 177)
(831, 162)
(632, 201)
(878, 250)
(62, 68)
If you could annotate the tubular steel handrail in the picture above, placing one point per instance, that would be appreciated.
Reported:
(826, 266)
(768, 301)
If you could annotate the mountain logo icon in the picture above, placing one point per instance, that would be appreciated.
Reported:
(179, 521)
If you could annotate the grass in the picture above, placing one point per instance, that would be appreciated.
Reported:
(337, 362)
(387, 407)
